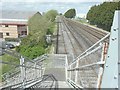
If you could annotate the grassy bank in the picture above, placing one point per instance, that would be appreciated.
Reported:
(5, 67)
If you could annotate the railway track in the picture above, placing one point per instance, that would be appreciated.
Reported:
(70, 45)
(61, 41)
(76, 38)
(70, 36)
(97, 34)
(76, 44)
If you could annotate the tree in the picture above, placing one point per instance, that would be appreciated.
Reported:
(51, 15)
(102, 15)
(71, 13)
(39, 25)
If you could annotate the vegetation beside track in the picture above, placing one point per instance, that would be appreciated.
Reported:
(102, 15)
(39, 26)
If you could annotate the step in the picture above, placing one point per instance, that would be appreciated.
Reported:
(58, 73)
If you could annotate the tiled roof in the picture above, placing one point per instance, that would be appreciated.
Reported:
(17, 14)
(15, 17)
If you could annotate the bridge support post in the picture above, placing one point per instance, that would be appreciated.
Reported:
(103, 57)
(23, 72)
(76, 72)
(110, 76)
(70, 73)
(35, 71)
(66, 67)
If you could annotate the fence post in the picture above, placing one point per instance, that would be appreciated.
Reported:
(70, 74)
(103, 57)
(35, 71)
(76, 72)
(23, 71)
(66, 67)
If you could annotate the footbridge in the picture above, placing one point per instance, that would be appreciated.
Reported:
(85, 58)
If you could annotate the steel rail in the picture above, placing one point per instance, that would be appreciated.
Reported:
(57, 37)
(88, 38)
(80, 47)
(69, 37)
(82, 33)
(64, 42)
(89, 27)
(62, 39)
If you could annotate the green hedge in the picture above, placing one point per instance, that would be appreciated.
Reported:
(102, 15)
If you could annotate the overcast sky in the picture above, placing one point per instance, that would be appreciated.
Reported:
(81, 6)
(54, 0)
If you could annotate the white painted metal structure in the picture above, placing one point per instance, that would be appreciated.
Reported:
(111, 77)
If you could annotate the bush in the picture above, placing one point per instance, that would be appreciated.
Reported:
(32, 52)
(35, 44)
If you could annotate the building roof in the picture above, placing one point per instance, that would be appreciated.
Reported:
(15, 17)
(17, 14)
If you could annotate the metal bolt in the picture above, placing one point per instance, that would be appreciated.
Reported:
(113, 39)
(118, 62)
(115, 77)
(114, 29)
(106, 65)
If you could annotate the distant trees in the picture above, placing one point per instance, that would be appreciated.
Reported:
(102, 15)
(51, 15)
(71, 13)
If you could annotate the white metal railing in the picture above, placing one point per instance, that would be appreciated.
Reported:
(24, 72)
(86, 70)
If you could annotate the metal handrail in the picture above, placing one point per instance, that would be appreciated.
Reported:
(88, 65)
(77, 68)
(25, 63)
(18, 55)
(77, 59)
(17, 65)
(74, 84)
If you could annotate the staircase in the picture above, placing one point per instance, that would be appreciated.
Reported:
(57, 69)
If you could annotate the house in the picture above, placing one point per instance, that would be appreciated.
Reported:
(14, 24)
